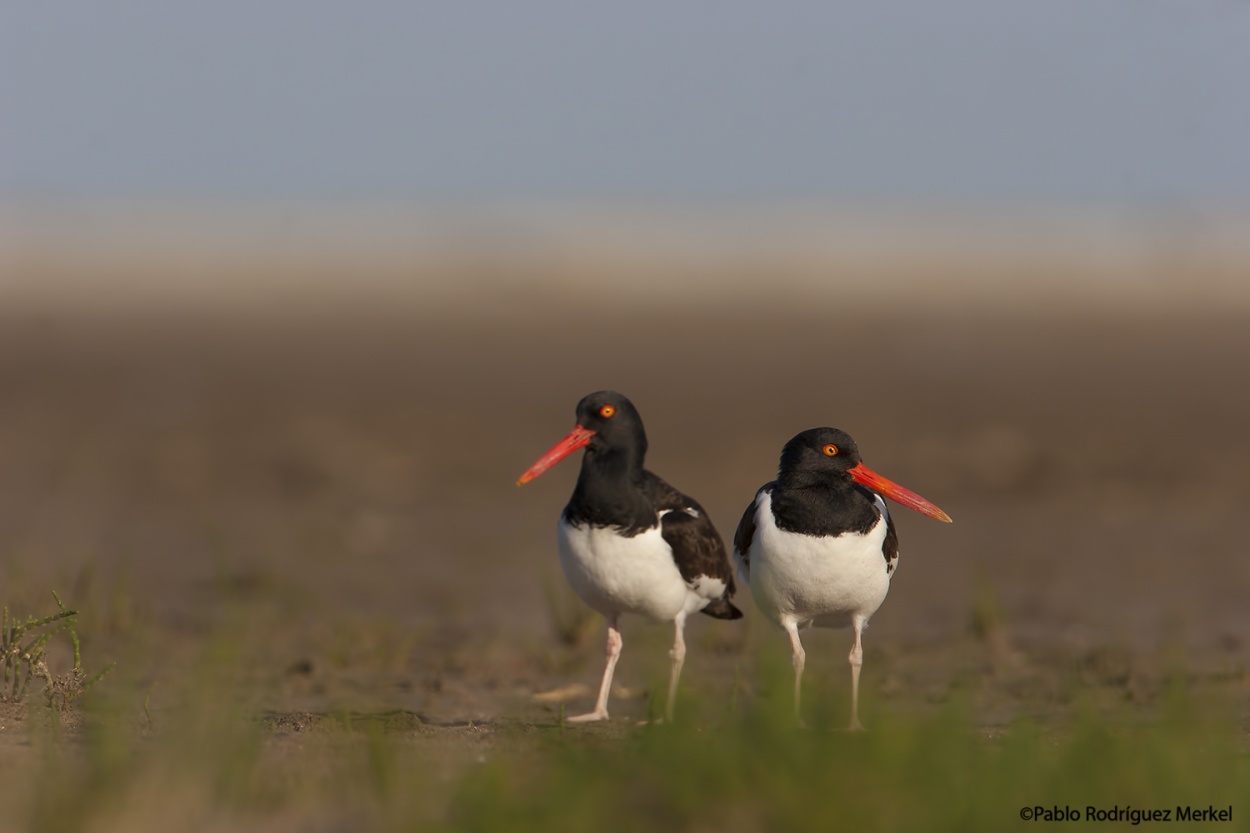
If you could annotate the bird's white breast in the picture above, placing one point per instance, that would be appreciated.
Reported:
(822, 579)
(616, 574)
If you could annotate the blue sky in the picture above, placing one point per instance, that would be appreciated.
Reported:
(1136, 101)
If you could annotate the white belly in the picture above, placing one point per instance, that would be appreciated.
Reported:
(827, 580)
(614, 574)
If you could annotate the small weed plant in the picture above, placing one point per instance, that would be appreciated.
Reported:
(23, 645)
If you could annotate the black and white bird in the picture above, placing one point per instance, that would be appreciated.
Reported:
(817, 545)
(631, 543)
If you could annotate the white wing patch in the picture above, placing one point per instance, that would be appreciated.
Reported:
(880, 504)
(707, 587)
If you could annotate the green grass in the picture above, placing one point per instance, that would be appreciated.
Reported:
(935, 773)
(210, 762)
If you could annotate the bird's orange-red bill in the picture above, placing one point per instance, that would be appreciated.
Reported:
(577, 438)
(905, 497)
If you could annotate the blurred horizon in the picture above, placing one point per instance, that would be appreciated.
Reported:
(318, 256)
(168, 155)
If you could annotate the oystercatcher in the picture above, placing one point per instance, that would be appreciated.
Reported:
(631, 543)
(817, 545)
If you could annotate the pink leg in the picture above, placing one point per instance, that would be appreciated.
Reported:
(678, 655)
(857, 660)
(605, 688)
(798, 657)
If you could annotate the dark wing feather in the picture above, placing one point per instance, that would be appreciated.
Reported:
(687, 529)
(890, 546)
(746, 530)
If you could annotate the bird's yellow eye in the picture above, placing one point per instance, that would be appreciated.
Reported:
(831, 449)
(607, 411)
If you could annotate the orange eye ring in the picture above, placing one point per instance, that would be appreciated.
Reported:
(607, 411)
(830, 450)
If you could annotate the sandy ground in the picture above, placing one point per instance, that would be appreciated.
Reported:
(335, 487)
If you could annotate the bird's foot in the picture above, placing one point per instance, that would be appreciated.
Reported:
(855, 726)
(589, 717)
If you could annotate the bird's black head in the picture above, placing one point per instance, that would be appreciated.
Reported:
(614, 421)
(608, 427)
(818, 454)
(827, 456)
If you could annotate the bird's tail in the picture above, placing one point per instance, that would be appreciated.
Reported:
(722, 608)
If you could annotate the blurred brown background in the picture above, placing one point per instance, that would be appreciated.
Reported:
(322, 430)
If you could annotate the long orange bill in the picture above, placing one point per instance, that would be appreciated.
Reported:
(577, 438)
(867, 477)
